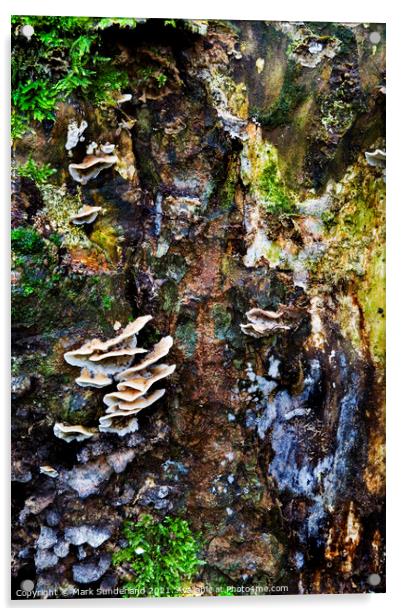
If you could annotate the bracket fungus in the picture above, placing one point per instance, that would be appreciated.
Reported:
(85, 215)
(90, 378)
(101, 362)
(71, 433)
(376, 158)
(263, 323)
(93, 164)
(134, 383)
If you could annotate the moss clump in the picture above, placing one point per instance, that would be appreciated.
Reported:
(26, 241)
(277, 199)
(372, 299)
(63, 56)
(38, 173)
(107, 302)
(291, 96)
(42, 297)
(59, 208)
(337, 115)
(161, 557)
(228, 190)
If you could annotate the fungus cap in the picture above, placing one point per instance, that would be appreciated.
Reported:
(143, 381)
(86, 215)
(124, 402)
(376, 158)
(83, 357)
(160, 350)
(71, 433)
(91, 167)
(117, 426)
(263, 323)
(89, 378)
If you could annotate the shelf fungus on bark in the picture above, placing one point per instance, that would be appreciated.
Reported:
(72, 433)
(91, 166)
(90, 378)
(121, 419)
(263, 323)
(376, 158)
(85, 215)
(129, 399)
(101, 360)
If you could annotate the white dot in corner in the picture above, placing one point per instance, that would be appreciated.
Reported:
(27, 31)
(374, 579)
(375, 38)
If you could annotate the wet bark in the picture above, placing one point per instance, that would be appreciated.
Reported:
(271, 447)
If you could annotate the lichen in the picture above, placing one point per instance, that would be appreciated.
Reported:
(222, 321)
(59, 207)
(186, 335)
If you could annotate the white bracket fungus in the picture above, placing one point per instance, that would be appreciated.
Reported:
(109, 357)
(134, 383)
(71, 433)
(92, 165)
(376, 158)
(85, 215)
(49, 471)
(100, 362)
(263, 323)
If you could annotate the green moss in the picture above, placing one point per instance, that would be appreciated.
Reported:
(355, 257)
(372, 299)
(161, 557)
(42, 297)
(107, 302)
(79, 407)
(228, 189)
(105, 235)
(26, 240)
(291, 96)
(38, 173)
(186, 337)
(63, 56)
(337, 115)
(277, 199)
(60, 206)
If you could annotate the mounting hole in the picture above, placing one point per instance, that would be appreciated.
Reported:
(375, 38)
(374, 579)
(27, 585)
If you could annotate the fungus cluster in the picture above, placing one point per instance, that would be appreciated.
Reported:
(101, 362)
(263, 323)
